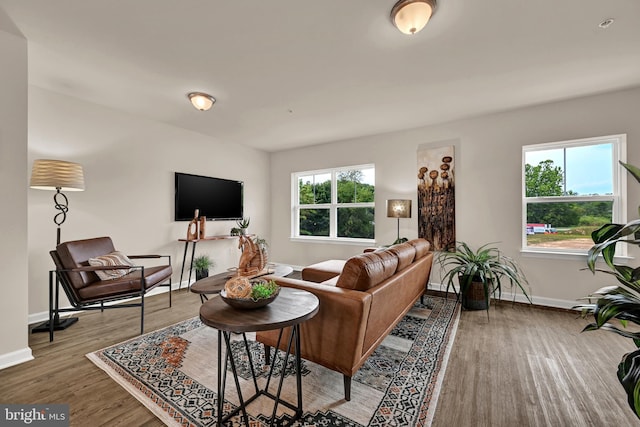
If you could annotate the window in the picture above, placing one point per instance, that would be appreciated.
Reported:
(334, 203)
(571, 188)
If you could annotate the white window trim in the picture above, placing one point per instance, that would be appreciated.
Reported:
(333, 207)
(619, 198)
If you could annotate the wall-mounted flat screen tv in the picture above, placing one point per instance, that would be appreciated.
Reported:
(215, 198)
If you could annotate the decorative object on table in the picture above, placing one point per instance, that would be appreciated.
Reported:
(243, 224)
(235, 231)
(202, 264)
(192, 230)
(621, 302)
(57, 175)
(480, 274)
(253, 260)
(436, 197)
(240, 292)
(263, 245)
(397, 208)
(202, 225)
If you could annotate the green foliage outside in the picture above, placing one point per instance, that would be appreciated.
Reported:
(353, 222)
(543, 180)
(573, 219)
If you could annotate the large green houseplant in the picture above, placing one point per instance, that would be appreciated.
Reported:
(621, 302)
(482, 272)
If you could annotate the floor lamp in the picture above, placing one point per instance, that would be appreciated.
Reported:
(57, 175)
(398, 208)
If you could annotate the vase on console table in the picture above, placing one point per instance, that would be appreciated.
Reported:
(203, 224)
(192, 230)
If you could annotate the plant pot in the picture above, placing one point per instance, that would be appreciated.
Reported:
(474, 298)
(201, 274)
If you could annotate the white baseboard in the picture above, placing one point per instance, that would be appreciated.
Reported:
(508, 296)
(15, 357)
(44, 315)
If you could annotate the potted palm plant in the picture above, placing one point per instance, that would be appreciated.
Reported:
(480, 274)
(202, 264)
(618, 305)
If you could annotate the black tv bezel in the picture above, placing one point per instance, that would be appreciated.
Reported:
(175, 202)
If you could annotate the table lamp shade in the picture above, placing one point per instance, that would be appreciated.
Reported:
(57, 174)
(397, 208)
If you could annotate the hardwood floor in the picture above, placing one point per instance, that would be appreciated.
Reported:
(531, 366)
(527, 367)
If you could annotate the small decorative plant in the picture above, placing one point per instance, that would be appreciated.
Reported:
(243, 224)
(485, 270)
(262, 290)
(202, 264)
(616, 306)
(235, 231)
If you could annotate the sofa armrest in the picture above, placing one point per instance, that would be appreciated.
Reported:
(334, 337)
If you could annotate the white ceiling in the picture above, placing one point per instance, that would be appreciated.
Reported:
(290, 73)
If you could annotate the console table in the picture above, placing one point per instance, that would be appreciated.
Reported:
(193, 251)
(289, 309)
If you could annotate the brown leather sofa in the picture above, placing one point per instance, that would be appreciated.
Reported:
(359, 307)
(87, 291)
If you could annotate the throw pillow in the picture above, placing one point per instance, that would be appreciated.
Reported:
(114, 258)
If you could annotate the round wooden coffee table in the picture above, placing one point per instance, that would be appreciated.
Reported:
(210, 285)
(289, 309)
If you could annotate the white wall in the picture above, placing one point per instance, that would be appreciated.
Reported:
(129, 164)
(488, 182)
(14, 346)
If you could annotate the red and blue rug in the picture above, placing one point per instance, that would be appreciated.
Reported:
(173, 372)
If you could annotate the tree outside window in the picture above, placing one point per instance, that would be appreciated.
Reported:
(335, 203)
(570, 189)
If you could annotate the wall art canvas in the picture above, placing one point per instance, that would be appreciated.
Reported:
(436, 197)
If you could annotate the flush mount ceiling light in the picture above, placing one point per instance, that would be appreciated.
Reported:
(410, 16)
(202, 101)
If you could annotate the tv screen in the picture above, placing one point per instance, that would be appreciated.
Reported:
(216, 198)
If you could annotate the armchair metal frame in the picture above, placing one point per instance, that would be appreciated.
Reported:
(59, 276)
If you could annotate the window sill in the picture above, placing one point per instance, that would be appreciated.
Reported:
(334, 241)
(567, 256)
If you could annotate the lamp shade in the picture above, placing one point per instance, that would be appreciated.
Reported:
(411, 16)
(54, 174)
(202, 101)
(397, 208)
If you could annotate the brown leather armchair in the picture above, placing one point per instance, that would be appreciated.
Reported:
(87, 291)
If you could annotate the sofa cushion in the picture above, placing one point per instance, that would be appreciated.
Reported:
(405, 253)
(108, 260)
(128, 284)
(322, 271)
(422, 247)
(362, 272)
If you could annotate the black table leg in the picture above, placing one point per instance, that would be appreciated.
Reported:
(184, 259)
(193, 252)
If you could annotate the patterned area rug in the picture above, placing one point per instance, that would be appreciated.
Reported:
(173, 372)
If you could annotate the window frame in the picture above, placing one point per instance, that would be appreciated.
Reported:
(618, 197)
(333, 206)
